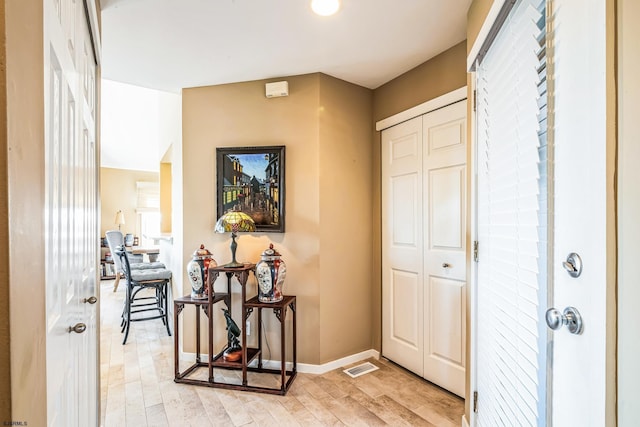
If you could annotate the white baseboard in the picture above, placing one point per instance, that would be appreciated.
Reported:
(465, 423)
(307, 368)
(304, 368)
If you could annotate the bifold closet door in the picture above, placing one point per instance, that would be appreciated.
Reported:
(424, 245)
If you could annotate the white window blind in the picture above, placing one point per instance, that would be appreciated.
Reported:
(512, 222)
(148, 195)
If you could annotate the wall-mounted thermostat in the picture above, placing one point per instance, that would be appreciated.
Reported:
(275, 89)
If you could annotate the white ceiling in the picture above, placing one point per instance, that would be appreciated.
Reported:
(173, 44)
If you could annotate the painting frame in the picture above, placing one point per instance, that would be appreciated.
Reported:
(241, 185)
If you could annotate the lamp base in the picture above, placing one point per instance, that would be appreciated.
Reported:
(234, 264)
(234, 246)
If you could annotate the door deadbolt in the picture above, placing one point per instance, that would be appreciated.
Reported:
(573, 264)
(570, 317)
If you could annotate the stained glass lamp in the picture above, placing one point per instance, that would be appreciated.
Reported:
(234, 221)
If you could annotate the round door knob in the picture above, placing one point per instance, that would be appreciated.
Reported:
(554, 318)
(78, 328)
(90, 300)
(570, 317)
(446, 265)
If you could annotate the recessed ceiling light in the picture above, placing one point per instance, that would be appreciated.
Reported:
(325, 7)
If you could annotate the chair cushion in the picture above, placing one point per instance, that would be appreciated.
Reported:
(150, 274)
(135, 258)
(146, 265)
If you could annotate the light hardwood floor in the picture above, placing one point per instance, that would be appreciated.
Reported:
(137, 389)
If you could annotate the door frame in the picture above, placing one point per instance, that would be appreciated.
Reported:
(441, 101)
(609, 97)
(444, 100)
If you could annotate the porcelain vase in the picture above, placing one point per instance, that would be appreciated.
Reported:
(270, 271)
(198, 271)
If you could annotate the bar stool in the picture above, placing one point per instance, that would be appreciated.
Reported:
(138, 280)
(115, 239)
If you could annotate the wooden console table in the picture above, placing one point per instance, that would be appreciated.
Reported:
(248, 354)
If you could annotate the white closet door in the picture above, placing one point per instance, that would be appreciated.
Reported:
(71, 171)
(445, 178)
(423, 241)
(402, 242)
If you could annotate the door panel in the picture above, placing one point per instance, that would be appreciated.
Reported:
(404, 211)
(403, 326)
(444, 131)
(447, 306)
(447, 214)
(446, 135)
(404, 317)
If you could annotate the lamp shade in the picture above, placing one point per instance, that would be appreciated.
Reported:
(119, 218)
(235, 221)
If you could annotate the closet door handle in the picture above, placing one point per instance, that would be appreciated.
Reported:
(78, 328)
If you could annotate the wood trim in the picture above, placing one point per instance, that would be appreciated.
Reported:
(426, 107)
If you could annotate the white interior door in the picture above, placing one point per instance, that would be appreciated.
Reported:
(445, 177)
(516, 262)
(71, 216)
(403, 247)
(584, 217)
(424, 244)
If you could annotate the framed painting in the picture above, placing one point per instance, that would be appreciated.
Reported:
(251, 180)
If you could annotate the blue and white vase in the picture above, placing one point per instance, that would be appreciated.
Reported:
(270, 271)
(198, 271)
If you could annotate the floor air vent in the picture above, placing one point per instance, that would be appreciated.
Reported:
(356, 371)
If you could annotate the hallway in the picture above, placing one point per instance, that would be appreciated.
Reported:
(137, 389)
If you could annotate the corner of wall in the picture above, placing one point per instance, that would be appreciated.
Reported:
(345, 190)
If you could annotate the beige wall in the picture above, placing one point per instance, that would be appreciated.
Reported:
(312, 124)
(118, 191)
(165, 197)
(25, 171)
(441, 74)
(433, 78)
(345, 218)
(476, 15)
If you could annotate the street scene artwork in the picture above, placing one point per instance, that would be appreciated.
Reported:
(251, 180)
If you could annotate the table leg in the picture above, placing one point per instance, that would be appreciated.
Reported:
(293, 309)
(210, 325)
(283, 366)
(176, 355)
(197, 333)
(243, 332)
(259, 325)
